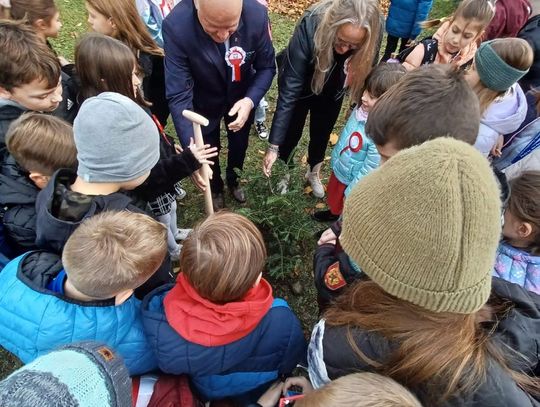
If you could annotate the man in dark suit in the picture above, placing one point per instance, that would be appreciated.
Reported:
(219, 62)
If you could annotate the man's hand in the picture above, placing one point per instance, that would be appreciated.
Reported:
(242, 109)
(268, 161)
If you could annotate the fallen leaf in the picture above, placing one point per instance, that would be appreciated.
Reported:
(308, 190)
(260, 152)
(327, 158)
(320, 205)
(303, 160)
(334, 139)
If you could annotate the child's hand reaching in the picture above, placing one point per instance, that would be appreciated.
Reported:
(496, 150)
(299, 381)
(202, 154)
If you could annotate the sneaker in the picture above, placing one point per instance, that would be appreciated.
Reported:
(262, 131)
(282, 186)
(181, 194)
(175, 255)
(182, 234)
(325, 216)
(314, 180)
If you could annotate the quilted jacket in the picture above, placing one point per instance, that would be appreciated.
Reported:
(518, 266)
(34, 320)
(355, 154)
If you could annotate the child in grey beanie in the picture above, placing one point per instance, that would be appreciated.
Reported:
(117, 149)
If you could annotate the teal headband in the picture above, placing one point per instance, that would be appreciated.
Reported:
(496, 74)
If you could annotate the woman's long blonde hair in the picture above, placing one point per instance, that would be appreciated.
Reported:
(130, 28)
(335, 13)
(437, 355)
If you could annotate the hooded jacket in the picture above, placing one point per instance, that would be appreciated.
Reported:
(330, 355)
(52, 232)
(510, 17)
(518, 266)
(9, 111)
(34, 320)
(18, 206)
(503, 116)
(229, 349)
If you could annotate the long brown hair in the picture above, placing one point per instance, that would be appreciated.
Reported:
(517, 53)
(104, 64)
(130, 28)
(482, 11)
(33, 10)
(439, 355)
(334, 14)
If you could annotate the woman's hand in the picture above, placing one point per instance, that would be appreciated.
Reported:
(268, 161)
(202, 154)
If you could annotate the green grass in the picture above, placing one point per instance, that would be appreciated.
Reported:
(284, 219)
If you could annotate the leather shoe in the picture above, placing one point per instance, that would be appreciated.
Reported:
(238, 193)
(324, 216)
(218, 200)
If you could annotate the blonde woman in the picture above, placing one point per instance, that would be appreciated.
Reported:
(333, 46)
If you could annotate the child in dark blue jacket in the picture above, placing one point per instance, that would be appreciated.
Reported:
(220, 323)
(403, 22)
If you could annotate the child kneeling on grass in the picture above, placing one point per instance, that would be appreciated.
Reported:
(220, 323)
(87, 294)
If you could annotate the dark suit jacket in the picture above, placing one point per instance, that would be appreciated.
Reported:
(196, 74)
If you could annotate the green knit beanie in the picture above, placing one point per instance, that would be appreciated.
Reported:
(493, 71)
(425, 226)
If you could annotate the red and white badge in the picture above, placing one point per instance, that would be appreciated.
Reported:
(235, 57)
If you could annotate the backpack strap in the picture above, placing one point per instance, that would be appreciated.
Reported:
(431, 47)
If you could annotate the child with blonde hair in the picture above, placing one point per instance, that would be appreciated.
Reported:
(456, 39)
(498, 66)
(518, 255)
(354, 390)
(220, 323)
(39, 145)
(87, 293)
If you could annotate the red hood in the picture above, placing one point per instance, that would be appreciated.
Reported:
(202, 322)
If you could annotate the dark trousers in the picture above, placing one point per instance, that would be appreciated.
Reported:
(323, 113)
(391, 46)
(237, 146)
